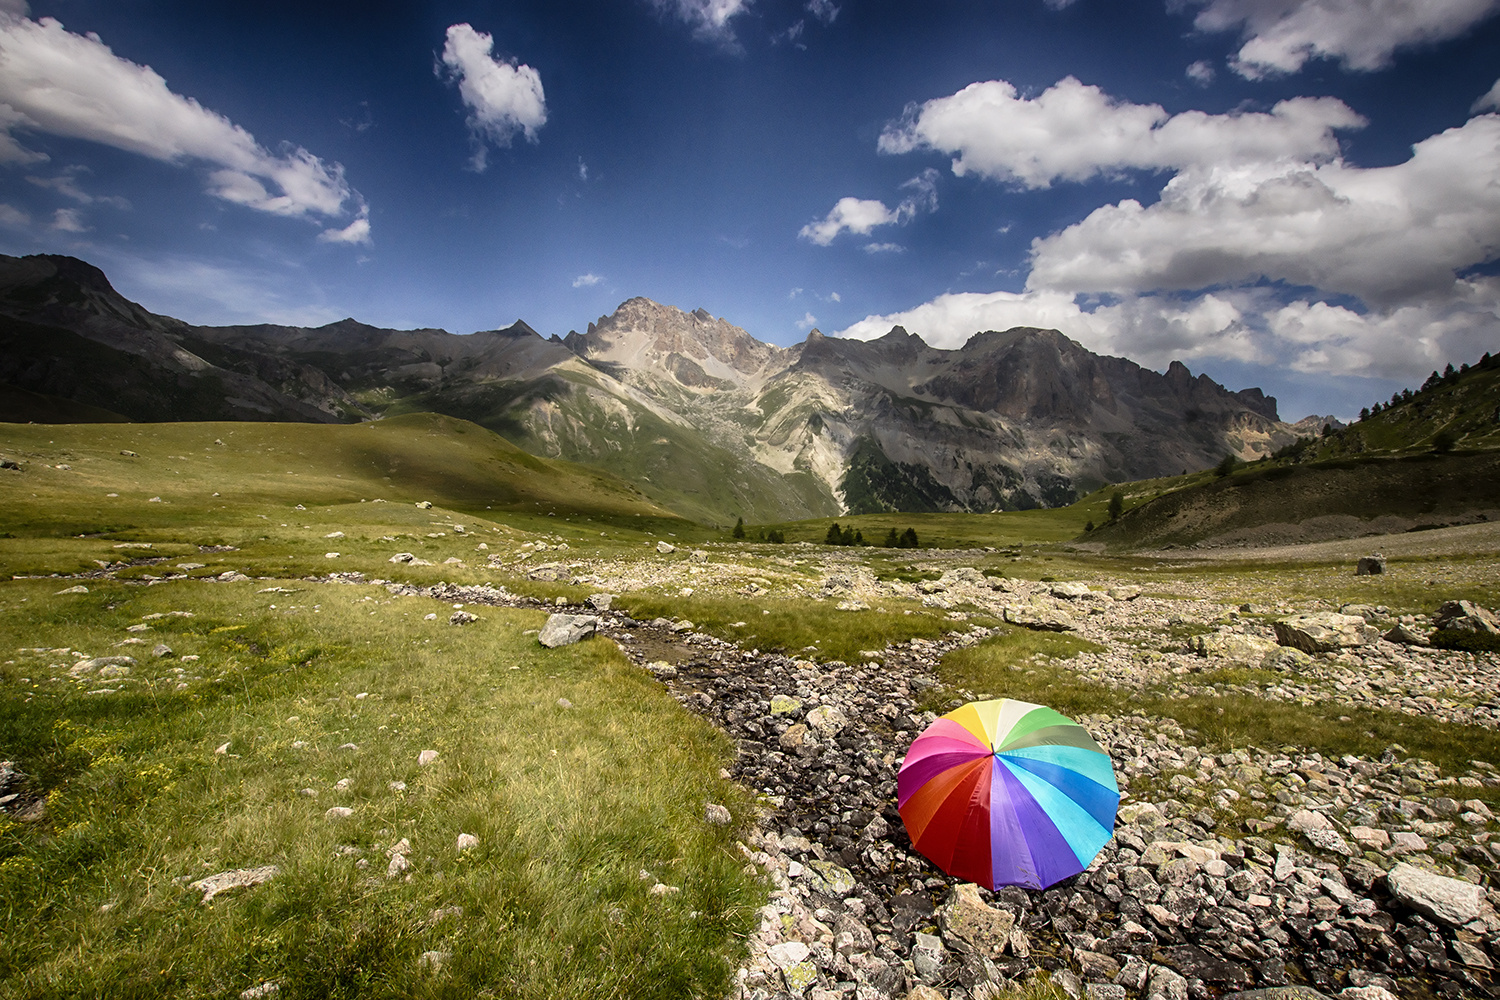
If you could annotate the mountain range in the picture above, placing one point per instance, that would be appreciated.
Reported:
(701, 416)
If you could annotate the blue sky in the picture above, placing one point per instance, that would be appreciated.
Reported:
(1298, 194)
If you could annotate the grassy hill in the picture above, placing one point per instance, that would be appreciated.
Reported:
(1427, 458)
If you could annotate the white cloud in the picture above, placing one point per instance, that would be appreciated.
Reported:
(583, 170)
(860, 216)
(503, 98)
(854, 214)
(883, 248)
(1385, 234)
(709, 19)
(1152, 330)
(1489, 102)
(1073, 131)
(14, 8)
(586, 280)
(13, 218)
(1282, 35)
(835, 297)
(66, 185)
(807, 322)
(823, 10)
(1201, 72)
(59, 83)
(357, 231)
(68, 220)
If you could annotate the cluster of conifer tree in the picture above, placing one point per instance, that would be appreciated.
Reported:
(853, 536)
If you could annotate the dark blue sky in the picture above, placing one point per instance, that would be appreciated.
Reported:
(1228, 182)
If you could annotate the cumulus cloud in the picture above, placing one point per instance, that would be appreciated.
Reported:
(1201, 72)
(807, 322)
(1073, 131)
(1282, 35)
(860, 215)
(503, 98)
(883, 248)
(709, 19)
(357, 231)
(1153, 330)
(1490, 101)
(1384, 234)
(59, 83)
(586, 280)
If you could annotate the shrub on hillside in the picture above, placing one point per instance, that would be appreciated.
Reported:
(1465, 641)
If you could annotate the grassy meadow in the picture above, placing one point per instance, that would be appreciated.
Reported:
(281, 698)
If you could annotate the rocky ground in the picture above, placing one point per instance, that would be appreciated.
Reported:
(1230, 870)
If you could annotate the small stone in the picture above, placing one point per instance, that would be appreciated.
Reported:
(399, 864)
(222, 749)
(338, 812)
(467, 841)
(426, 757)
(665, 548)
(564, 703)
(237, 879)
(783, 704)
(161, 650)
(80, 589)
(717, 815)
(462, 618)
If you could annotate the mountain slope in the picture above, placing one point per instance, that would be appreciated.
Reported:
(701, 416)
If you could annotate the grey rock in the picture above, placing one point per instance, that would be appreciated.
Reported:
(1323, 632)
(564, 630)
(462, 618)
(1447, 900)
(665, 548)
(971, 925)
(601, 602)
(239, 878)
(1464, 616)
(717, 815)
(1405, 636)
(1371, 565)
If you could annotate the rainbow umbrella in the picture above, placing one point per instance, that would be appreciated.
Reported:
(1008, 793)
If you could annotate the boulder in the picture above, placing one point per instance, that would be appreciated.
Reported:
(972, 925)
(1233, 647)
(665, 548)
(1372, 565)
(1070, 591)
(1039, 618)
(1463, 616)
(564, 630)
(1449, 901)
(1404, 636)
(601, 602)
(1324, 632)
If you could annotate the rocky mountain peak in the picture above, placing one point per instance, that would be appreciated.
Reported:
(694, 349)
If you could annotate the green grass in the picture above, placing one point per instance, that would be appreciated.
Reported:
(569, 804)
(801, 627)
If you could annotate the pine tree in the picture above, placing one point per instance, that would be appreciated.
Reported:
(892, 540)
(739, 528)
(909, 539)
(835, 536)
(1116, 505)
(849, 537)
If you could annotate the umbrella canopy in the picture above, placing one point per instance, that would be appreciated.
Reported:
(1008, 793)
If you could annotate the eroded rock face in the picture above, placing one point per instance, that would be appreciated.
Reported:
(564, 630)
(1324, 632)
